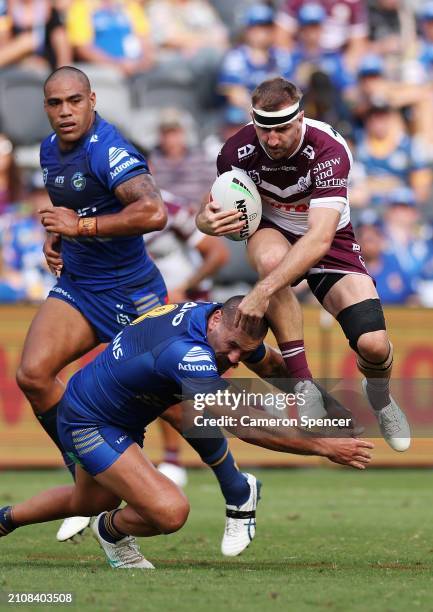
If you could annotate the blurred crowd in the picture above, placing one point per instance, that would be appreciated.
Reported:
(176, 76)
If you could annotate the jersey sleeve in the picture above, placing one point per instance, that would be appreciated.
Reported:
(114, 160)
(329, 173)
(192, 366)
(223, 162)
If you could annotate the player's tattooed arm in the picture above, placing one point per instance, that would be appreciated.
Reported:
(143, 209)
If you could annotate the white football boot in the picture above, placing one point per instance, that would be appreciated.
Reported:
(313, 406)
(124, 554)
(240, 526)
(71, 527)
(392, 422)
(176, 473)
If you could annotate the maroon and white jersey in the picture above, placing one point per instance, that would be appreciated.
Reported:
(174, 248)
(314, 176)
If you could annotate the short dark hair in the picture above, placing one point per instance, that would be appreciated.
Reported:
(82, 76)
(229, 309)
(273, 93)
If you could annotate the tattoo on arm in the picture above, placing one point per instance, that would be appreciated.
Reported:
(141, 187)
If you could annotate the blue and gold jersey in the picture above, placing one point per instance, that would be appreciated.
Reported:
(84, 179)
(160, 359)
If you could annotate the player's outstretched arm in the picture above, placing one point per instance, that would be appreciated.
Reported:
(307, 251)
(143, 211)
(213, 221)
(254, 427)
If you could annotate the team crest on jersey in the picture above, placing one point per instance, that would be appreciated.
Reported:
(45, 175)
(78, 181)
(158, 311)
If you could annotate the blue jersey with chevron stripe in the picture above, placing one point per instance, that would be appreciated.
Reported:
(84, 179)
(160, 359)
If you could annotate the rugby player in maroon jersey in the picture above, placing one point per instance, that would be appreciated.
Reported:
(301, 169)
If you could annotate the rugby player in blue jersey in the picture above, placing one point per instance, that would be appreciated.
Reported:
(104, 200)
(171, 353)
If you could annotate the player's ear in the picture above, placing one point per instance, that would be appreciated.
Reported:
(93, 100)
(215, 319)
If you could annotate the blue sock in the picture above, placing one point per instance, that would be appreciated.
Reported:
(107, 529)
(216, 454)
(6, 523)
(48, 420)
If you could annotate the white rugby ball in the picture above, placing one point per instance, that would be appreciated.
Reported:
(235, 190)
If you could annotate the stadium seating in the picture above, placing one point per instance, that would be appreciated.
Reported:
(22, 115)
(113, 99)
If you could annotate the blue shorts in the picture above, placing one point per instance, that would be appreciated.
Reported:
(93, 446)
(108, 311)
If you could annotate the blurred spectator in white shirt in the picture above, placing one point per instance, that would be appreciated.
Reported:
(178, 166)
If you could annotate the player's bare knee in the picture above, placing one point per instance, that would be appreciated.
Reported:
(267, 261)
(30, 378)
(173, 515)
(374, 346)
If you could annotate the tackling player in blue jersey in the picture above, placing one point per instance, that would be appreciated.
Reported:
(104, 199)
(171, 353)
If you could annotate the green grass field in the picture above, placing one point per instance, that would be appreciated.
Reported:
(334, 540)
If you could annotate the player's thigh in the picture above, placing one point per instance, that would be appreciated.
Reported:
(90, 497)
(266, 249)
(136, 480)
(58, 335)
(350, 289)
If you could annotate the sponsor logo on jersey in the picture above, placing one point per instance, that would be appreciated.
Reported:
(308, 151)
(78, 181)
(246, 151)
(326, 168)
(277, 169)
(158, 311)
(120, 440)
(197, 353)
(115, 154)
(333, 182)
(356, 247)
(189, 367)
(121, 167)
(59, 180)
(45, 175)
(193, 356)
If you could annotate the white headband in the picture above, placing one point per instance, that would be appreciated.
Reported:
(268, 119)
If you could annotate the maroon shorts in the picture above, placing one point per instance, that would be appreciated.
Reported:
(343, 257)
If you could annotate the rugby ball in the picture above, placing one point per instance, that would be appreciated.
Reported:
(235, 190)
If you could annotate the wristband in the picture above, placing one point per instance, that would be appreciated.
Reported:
(87, 226)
